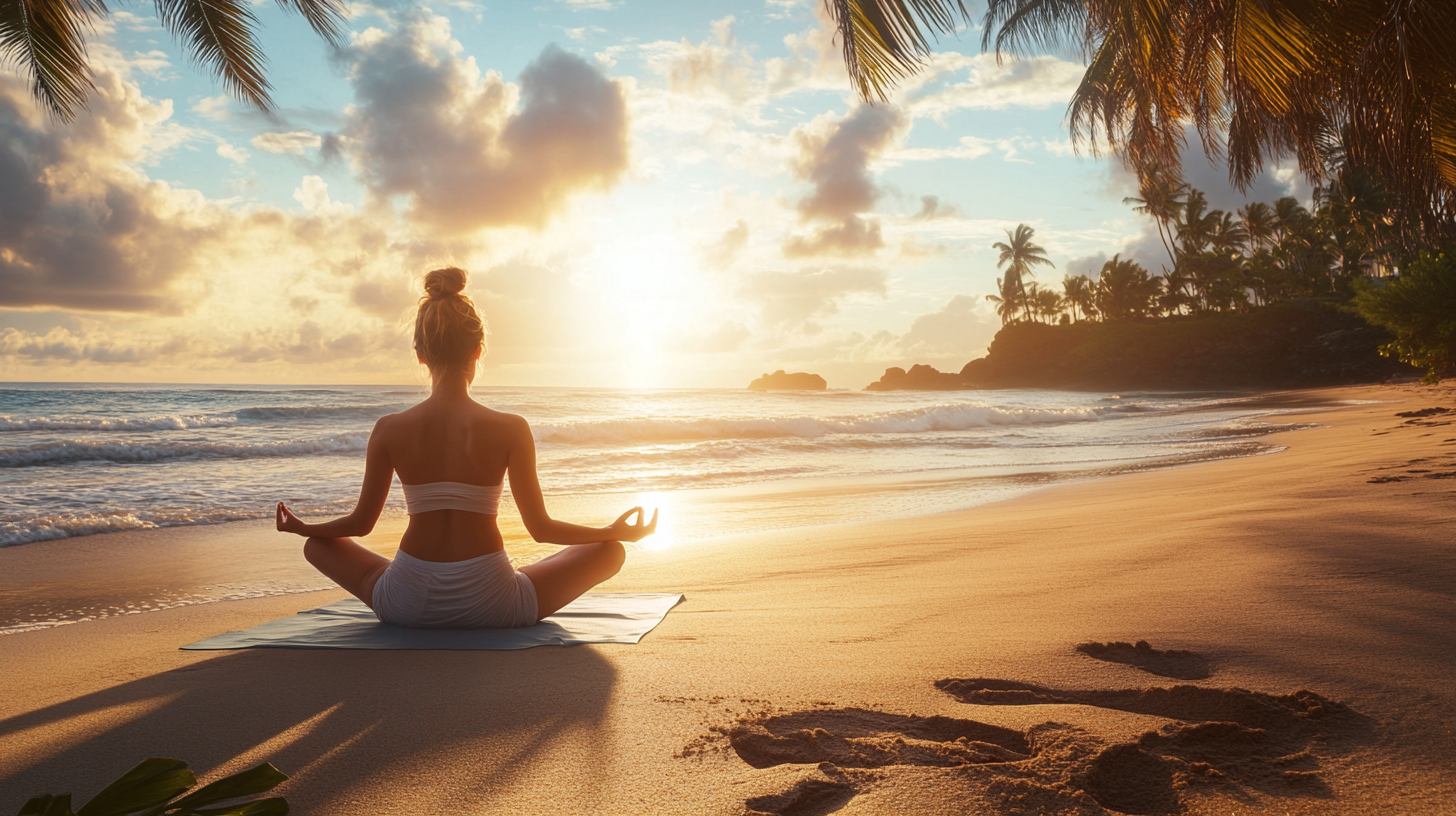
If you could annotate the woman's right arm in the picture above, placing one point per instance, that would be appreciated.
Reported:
(526, 490)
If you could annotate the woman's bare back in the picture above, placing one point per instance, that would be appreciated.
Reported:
(455, 441)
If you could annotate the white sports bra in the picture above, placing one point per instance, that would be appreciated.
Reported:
(423, 498)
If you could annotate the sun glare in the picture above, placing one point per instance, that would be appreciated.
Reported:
(664, 504)
(647, 283)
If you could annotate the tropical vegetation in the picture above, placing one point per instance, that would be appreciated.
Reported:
(1370, 81)
(152, 788)
(1361, 93)
(47, 40)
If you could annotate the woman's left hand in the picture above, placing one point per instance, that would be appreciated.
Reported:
(289, 523)
(624, 530)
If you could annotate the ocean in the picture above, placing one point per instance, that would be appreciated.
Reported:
(79, 461)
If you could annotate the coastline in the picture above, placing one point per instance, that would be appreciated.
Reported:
(1287, 572)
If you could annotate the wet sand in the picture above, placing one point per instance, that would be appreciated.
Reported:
(1297, 609)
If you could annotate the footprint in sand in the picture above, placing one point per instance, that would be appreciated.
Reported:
(1174, 663)
(1232, 742)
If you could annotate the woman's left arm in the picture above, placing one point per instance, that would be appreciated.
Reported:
(378, 473)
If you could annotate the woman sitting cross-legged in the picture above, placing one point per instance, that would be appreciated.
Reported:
(452, 455)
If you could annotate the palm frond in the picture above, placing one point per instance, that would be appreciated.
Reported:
(48, 41)
(219, 34)
(885, 41)
(327, 17)
(1024, 27)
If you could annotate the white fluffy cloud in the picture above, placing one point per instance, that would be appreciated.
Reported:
(79, 226)
(1034, 82)
(469, 151)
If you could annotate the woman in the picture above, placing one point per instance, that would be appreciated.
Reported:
(452, 455)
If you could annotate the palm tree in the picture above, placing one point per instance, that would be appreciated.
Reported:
(1161, 196)
(47, 39)
(1258, 220)
(1124, 289)
(1229, 236)
(1019, 255)
(1047, 303)
(1078, 292)
(1007, 302)
(1257, 79)
(1196, 226)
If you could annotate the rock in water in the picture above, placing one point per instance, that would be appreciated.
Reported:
(779, 381)
(918, 378)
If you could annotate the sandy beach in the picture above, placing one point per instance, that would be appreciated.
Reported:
(1306, 598)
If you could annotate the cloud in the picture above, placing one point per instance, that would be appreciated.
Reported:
(962, 328)
(1059, 147)
(583, 32)
(1035, 82)
(212, 107)
(723, 252)
(716, 64)
(468, 151)
(791, 299)
(1089, 265)
(835, 158)
(724, 339)
(232, 153)
(79, 228)
(291, 143)
(969, 147)
(931, 209)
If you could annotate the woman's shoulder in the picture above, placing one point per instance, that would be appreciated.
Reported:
(509, 421)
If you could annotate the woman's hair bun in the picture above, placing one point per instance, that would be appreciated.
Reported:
(442, 283)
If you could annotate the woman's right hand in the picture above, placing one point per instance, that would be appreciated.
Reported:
(624, 530)
(289, 523)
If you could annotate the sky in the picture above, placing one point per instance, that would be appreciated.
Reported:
(646, 194)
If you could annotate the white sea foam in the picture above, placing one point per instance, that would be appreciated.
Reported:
(159, 422)
(67, 525)
(69, 451)
(951, 417)
(183, 422)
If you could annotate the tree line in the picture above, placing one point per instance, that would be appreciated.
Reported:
(1218, 261)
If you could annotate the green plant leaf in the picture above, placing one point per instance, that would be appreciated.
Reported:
(277, 806)
(152, 782)
(47, 804)
(245, 783)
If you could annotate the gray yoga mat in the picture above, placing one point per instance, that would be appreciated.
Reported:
(349, 624)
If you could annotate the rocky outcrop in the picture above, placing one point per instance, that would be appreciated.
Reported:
(1285, 345)
(779, 381)
(918, 378)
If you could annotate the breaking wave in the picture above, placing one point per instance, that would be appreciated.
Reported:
(69, 451)
(957, 417)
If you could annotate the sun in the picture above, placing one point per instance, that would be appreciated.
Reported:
(650, 287)
(665, 505)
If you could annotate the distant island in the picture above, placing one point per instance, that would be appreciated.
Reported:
(1290, 344)
(779, 381)
(919, 378)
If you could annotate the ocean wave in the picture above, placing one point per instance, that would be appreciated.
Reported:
(956, 417)
(183, 422)
(70, 451)
(156, 422)
(276, 413)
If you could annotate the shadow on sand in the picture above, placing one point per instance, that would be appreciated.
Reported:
(351, 728)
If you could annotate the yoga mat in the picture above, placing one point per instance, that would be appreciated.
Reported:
(349, 624)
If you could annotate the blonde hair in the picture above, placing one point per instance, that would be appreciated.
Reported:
(448, 329)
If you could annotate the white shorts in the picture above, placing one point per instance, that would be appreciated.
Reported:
(484, 592)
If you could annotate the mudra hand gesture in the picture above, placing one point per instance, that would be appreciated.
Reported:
(624, 530)
(289, 523)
